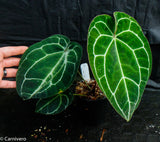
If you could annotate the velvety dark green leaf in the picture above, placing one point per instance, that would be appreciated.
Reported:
(121, 60)
(48, 67)
(55, 104)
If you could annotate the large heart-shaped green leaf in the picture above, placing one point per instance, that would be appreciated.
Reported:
(48, 67)
(54, 105)
(120, 59)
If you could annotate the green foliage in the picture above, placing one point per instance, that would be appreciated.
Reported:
(120, 59)
(55, 104)
(47, 68)
(119, 56)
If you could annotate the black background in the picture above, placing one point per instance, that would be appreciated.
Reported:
(28, 20)
(24, 22)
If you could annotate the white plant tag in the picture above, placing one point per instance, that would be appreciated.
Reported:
(85, 72)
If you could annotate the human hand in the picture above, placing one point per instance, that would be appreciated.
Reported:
(7, 61)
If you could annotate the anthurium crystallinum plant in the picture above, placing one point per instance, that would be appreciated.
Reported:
(46, 70)
(119, 56)
(120, 59)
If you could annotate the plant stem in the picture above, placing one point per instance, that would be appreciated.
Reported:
(80, 95)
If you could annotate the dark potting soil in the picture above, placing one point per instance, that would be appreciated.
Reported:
(83, 121)
(88, 90)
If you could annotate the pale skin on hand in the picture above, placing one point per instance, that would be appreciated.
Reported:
(6, 60)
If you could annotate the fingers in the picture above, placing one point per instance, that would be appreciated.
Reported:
(13, 50)
(7, 84)
(1, 72)
(10, 62)
(1, 67)
(11, 72)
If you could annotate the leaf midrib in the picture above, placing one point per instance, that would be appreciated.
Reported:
(49, 102)
(123, 77)
(34, 93)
